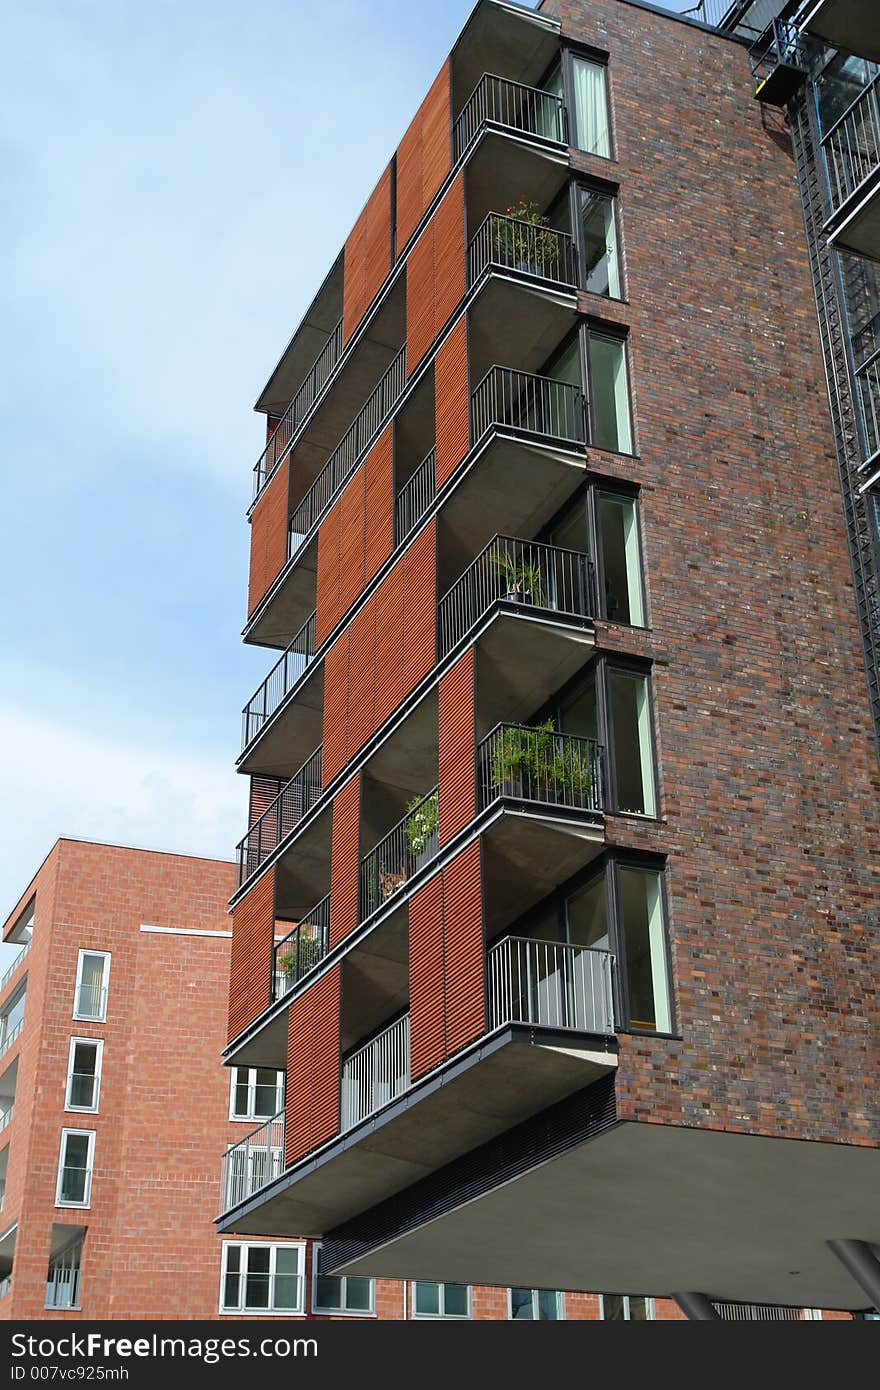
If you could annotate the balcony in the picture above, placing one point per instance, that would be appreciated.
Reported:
(288, 426)
(414, 498)
(541, 766)
(376, 1074)
(850, 24)
(496, 101)
(509, 243)
(550, 984)
(9, 1036)
(15, 964)
(282, 747)
(852, 157)
(250, 1165)
(868, 386)
(411, 844)
(278, 820)
(301, 949)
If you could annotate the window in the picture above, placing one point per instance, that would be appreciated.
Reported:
(92, 975)
(345, 1294)
(62, 1280)
(597, 232)
(590, 106)
(624, 1307)
(644, 949)
(632, 746)
(257, 1093)
(12, 1017)
(75, 1168)
(262, 1279)
(538, 1305)
(614, 546)
(83, 1074)
(610, 426)
(441, 1300)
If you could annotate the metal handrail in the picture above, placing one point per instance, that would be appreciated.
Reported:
(376, 1073)
(529, 573)
(852, 146)
(345, 457)
(410, 844)
(294, 800)
(288, 669)
(513, 244)
(541, 765)
(10, 1038)
(537, 404)
(503, 102)
(16, 963)
(91, 1003)
(415, 497)
(867, 378)
(281, 439)
(6, 1115)
(304, 947)
(252, 1163)
(550, 984)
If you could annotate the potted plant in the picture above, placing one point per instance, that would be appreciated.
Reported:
(526, 241)
(421, 827)
(523, 578)
(538, 764)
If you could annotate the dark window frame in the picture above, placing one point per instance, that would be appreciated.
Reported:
(611, 191)
(587, 495)
(592, 327)
(601, 58)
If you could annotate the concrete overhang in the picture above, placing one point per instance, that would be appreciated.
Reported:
(292, 731)
(855, 226)
(504, 165)
(502, 38)
(651, 1208)
(288, 602)
(508, 1076)
(516, 320)
(524, 656)
(850, 24)
(527, 852)
(305, 346)
(302, 872)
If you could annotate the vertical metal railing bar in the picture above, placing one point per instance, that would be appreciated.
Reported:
(280, 440)
(852, 145)
(414, 498)
(537, 404)
(16, 963)
(541, 765)
(282, 678)
(304, 947)
(514, 105)
(376, 1073)
(398, 855)
(514, 244)
(293, 802)
(551, 984)
(252, 1163)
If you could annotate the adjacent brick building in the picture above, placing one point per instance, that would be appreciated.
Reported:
(558, 901)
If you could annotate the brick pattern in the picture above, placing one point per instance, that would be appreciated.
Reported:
(424, 157)
(452, 396)
(458, 796)
(435, 275)
(367, 260)
(250, 969)
(268, 536)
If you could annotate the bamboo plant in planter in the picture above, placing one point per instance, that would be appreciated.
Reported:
(524, 239)
(523, 578)
(541, 765)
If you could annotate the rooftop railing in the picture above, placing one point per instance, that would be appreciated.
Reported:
(536, 404)
(302, 948)
(512, 244)
(514, 106)
(411, 843)
(852, 146)
(376, 1073)
(296, 412)
(344, 458)
(414, 498)
(252, 1163)
(290, 805)
(16, 963)
(541, 765)
(550, 984)
(281, 679)
(527, 573)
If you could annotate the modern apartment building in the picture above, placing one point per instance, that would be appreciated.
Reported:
(558, 899)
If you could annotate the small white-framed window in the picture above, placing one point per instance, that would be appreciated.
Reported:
(259, 1279)
(430, 1300)
(75, 1166)
(624, 1307)
(343, 1294)
(535, 1305)
(257, 1093)
(84, 1064)
(92, 980)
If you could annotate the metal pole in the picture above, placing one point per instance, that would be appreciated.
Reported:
(858, 1258)
(697, 1307)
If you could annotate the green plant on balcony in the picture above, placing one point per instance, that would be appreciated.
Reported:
(421, 824)
(541, 764)
(524, 579)
(525, 239)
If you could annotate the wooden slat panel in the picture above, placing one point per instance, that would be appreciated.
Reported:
(327, 603)
(336, 665)
(426, 986)
(351, 541)
(464, 949)
(389, 643)
(345, 859)
(457, 748)
(354, 277)
(449, 254)
(420, 330)
(263, 792)
(419, 608)
(379, 503)
(362, 678)
(250, 962)
(423, 157)
(367, 256)
(268, 536)
(312, 1099)
(451, 395)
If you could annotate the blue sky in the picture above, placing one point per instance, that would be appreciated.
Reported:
(175, 179)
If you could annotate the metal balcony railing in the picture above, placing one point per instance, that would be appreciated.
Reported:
(541, 765)
(281, 679)
(550, 984)
(509, 243)
(528, 573)
(852, 146)
(345, 456)
(10, 1038)
(296, 412)
(376, 1074)
(62, 1284)
(302, 948)
(412, 842)
(513, 105)
(15, 964)
(6, 1116)
(414, 498)
(255, 1161)
(868, 383)
(539, 404)
(91, 1002)
(276, 822)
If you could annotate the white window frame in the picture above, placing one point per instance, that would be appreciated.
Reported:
(98, 1044)
(441, 1316)
(105, 984)
(560, 1304)
(649, 1302)
(273, 1248)
(251, 1118)
(343, 1278)
(90, 1168)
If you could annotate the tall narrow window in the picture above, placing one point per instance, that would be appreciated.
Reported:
(83, 1074)
(75, 1168)
(621, 559)
(92, 975)
(609, 394)
(544, 1305)
(548, 114)
(632, 744)
(644, 935)
(342, 1294)
(598, 236)
(262, 1279)
(591, 128)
